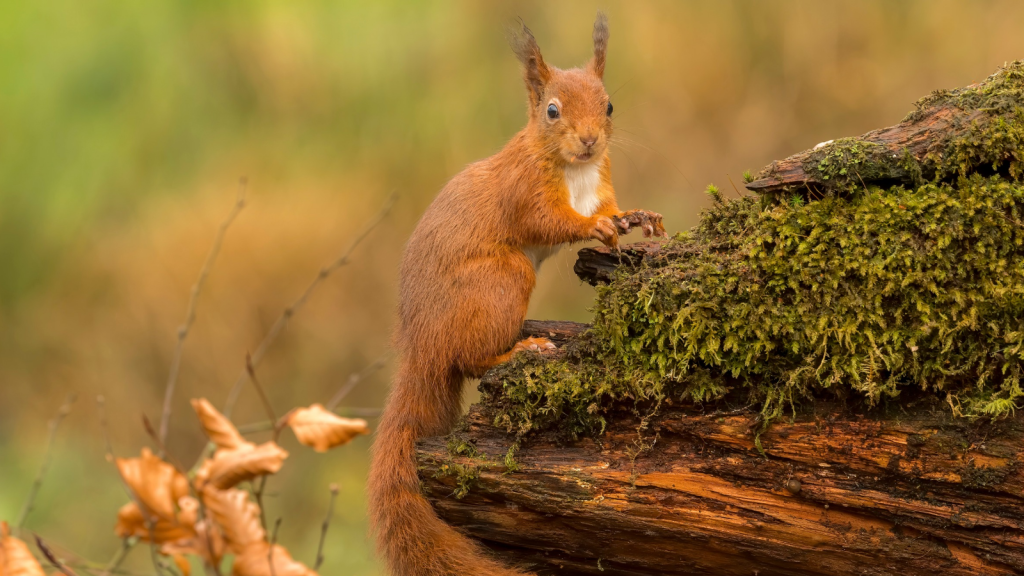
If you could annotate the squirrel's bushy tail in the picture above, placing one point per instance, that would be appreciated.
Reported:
(410, 536)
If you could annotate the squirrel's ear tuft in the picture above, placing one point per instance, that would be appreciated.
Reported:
(535, 71)
(600, 44)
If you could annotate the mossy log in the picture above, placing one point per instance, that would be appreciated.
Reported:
(823, 379)
(908, 491)
(949, 133)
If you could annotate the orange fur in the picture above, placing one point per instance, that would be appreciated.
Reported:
(465, 285)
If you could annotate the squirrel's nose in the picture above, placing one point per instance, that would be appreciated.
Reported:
(588, 140)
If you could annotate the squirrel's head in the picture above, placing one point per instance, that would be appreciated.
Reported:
(569, 109)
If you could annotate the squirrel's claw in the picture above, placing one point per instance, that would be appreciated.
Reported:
(606, 231)
(649, 223)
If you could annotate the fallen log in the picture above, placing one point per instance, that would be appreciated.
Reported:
(943, 137)
(909, 491)
(579, 461)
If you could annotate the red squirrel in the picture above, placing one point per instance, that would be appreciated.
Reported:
(466, 279)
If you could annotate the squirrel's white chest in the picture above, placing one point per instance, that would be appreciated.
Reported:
(582, 182)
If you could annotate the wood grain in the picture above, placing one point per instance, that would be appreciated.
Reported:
(836, 492)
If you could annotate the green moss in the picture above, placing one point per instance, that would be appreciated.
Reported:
(900, 278)
(568, 394)
(864, 297)
(996, 144)
(714, 193)
(995, 135)
(1002, 92)
(466, 476)
(463, 463)
(894, 289)
(846, 164)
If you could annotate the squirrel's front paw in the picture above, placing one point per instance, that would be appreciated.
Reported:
(605, 231)
(648, 222)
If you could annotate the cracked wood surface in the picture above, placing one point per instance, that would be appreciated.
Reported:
(836, 492)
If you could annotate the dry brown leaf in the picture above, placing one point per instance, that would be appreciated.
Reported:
(154, 482)
(255, 560)
(220, 430)
(207, 544)
(182, 563)
(15, 557)
(237, 517)
(229, 467)
(322, 429)
(131, 522)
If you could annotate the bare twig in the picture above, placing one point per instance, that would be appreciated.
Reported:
(64, 410)
(114, 565)
(324, 527)
(257, 490)
(259, 388)
(167, 455)
(52, 558)
(257, 494)
(355, 378)
(270, 550)
(286, 315)
(95, 567)
(190, 313)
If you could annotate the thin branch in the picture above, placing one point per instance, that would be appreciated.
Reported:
(64, 410)
(257, 490)
(115, 563)
(257, 494)
(190, 314)
(286, 315)
(160, 446)
(52, 558)
(355, 378)
(324, 527)
(94, 567)
(251, 370)
(270, 550)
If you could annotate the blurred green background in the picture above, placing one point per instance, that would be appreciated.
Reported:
(125, 126)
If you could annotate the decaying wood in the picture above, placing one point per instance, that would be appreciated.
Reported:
(911, 491)
(923, 132)
(596, 265)
(558, 331)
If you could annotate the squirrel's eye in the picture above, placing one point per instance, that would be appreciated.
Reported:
(552, 111)
(610, 108)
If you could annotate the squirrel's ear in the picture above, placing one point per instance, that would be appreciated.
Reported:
(535, 71)
(600, 44)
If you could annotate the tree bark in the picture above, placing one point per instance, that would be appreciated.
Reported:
(908, 491)
(597, 265)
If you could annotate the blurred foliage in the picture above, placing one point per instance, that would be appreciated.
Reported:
(124, 128)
